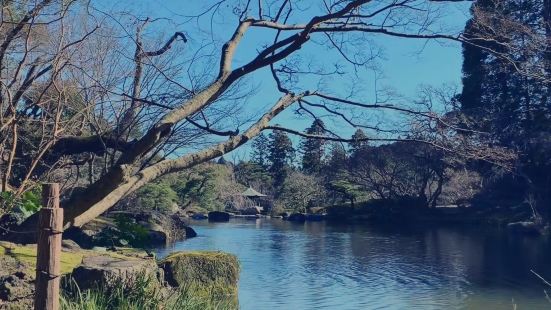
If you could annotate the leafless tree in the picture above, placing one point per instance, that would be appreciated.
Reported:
(110, 93)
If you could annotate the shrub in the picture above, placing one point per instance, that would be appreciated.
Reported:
(25, 205)
(125, 232)
(157, 196)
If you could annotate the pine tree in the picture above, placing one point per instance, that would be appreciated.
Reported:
(313, 150)
(358, 146)
(513, 106)
(337, 155)
(261, 150)
(281, 152)
(337, 158)
(473, 72)
(499, 98)
(359, 141)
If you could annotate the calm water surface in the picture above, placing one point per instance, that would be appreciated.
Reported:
(327, 266)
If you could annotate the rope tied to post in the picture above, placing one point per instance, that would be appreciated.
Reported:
(50, 276)
(52, 231)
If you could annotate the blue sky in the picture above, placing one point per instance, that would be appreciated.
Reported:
(404, 66)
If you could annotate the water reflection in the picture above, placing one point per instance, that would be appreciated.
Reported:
(318, 265)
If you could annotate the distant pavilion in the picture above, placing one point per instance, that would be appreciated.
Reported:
(251, 193)
(257, 200)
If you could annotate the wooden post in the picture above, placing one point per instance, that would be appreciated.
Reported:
(50, 227)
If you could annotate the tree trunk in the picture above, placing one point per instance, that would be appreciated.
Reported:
(123, 179)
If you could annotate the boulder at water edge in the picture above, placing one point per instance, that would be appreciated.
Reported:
(297, 217)
(108, 272)
(190, 232)
(218, 216)
(214, 271)
(199, 216)
(69, 246)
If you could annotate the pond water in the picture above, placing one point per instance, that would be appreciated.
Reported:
(320, 265)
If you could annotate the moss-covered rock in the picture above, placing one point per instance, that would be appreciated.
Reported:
(214, 271)
(109, 272)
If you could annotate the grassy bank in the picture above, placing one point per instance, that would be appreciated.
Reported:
(196, 280)
(26, 254)
(147, 294)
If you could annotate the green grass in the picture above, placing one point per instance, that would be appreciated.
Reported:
(204, 280)
(69, 260)
(27, 254)
(145, 294)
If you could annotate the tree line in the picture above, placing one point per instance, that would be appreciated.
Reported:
(505, 97)
(317, 173)
(108, 101)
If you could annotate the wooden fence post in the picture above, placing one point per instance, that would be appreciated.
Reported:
(50, 227)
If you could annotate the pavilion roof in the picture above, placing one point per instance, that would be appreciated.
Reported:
(251, 192)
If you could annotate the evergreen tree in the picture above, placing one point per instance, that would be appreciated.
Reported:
(359, 142)
(337, 158)
(313, 150)
(252, 174)
(514, 107)
(261, 150)
(281, 152)
(473, 71)
(500, 99)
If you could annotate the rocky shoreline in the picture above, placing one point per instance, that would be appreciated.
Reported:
(144, 229)
(515, 222)
(92, 269)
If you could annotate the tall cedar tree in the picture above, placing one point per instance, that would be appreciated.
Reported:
(357, 145)
(313, 150)
(514, 107)
(281, 152)
(261, 150)
(337, 158)
(501, 100)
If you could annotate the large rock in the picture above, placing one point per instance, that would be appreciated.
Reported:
(70, 246)
(16, 289)
(214, 270)
(180, 223)
(16, 280)
(164, 229)
(199, 216)
(190, 232)
(86, 236)
(121, 228)
(297, 217)
(218, 216)
(108, 272)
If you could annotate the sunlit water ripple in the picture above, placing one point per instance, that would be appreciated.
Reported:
(326, 266)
